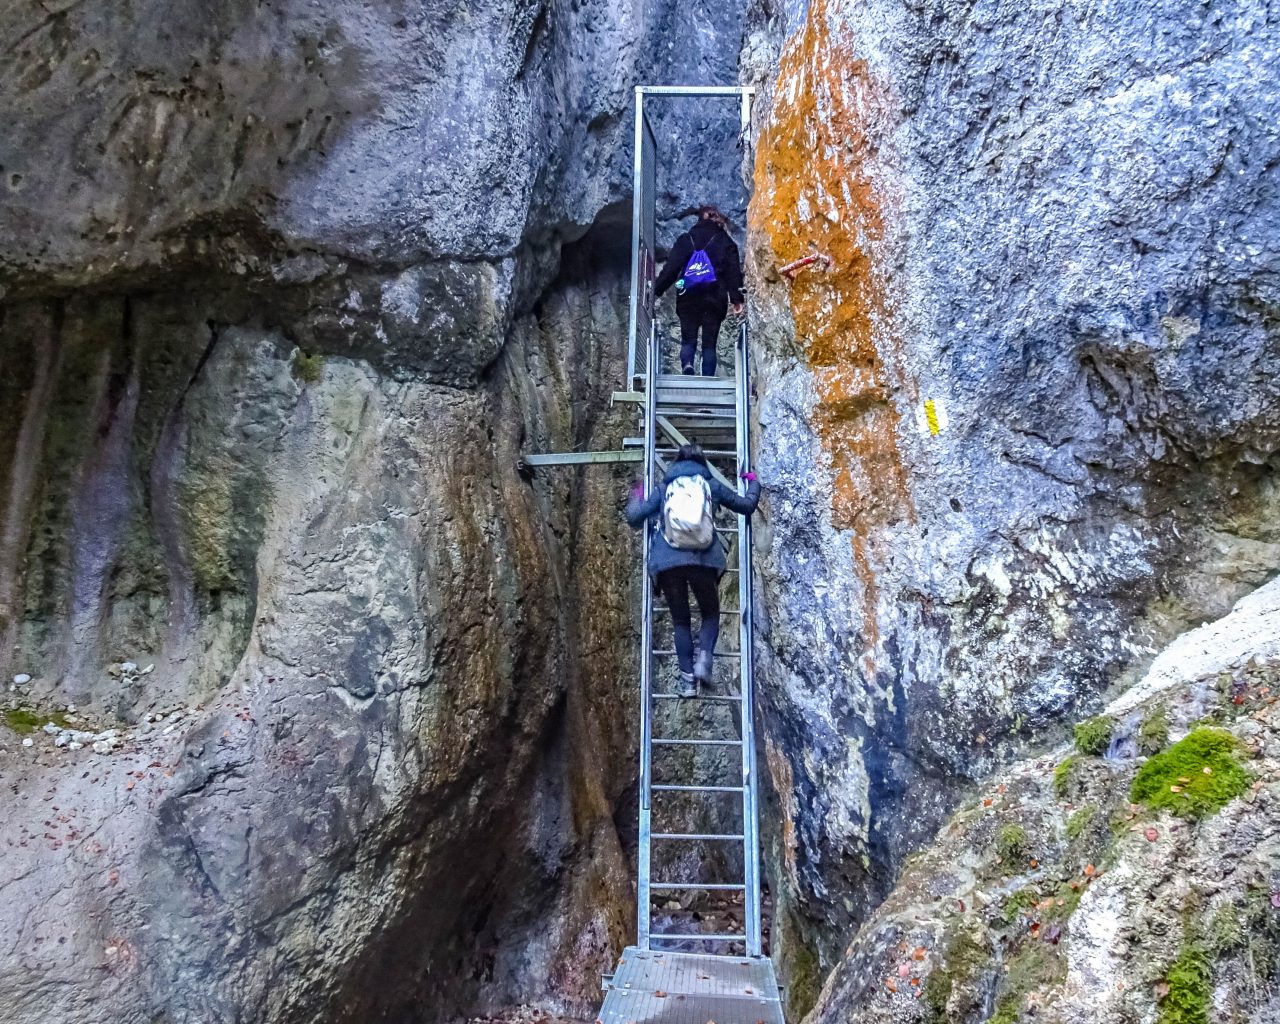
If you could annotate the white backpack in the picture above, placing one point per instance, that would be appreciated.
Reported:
(687, 514)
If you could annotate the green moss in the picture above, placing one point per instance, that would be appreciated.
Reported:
(1093, 736)
(1190, 988)
(1070, 898)
(1033, 966)
(1006, 1013)
(1079, 821)
(1177, 779)
(24, 720)
(1015, 903)
(308, 369)
(1062, 777)
(964, 959)
(1011, 842)
(804, 982)
(1225, 931)
(1153, 733)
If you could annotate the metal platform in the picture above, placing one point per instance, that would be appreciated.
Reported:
(687, 988)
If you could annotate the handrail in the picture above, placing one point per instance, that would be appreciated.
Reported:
(646, 644)
(751, 845)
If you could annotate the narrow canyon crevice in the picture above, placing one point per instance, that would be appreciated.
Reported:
(320, 708)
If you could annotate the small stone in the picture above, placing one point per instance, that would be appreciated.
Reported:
(129, 667)
(102, 747)
(148, 670)
(62, 739)
(50, 728)
(75, 745)
(28, 742)
(71, 709)
(21, 679)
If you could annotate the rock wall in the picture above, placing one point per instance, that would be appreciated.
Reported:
(1057, 223)
(331, 690)
(1135, 879)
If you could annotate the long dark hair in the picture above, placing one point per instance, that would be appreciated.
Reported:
(691, 453)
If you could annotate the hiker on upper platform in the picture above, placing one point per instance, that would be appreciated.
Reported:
(685, 554)
(705, 268)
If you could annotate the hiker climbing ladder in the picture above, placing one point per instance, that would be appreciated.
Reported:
(698, 952)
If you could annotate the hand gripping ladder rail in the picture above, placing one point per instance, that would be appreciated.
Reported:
(713, 412)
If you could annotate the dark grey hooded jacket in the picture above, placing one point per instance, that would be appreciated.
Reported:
(661, 554)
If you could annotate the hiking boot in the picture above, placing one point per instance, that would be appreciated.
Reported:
(688, 685)
(687, 370)
(702, 668)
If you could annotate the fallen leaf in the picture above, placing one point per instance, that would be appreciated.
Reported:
(987, 801)
(1162, 989)
(1175, 789)
(915, 981)
(1089, 870)
(1035, 863)
(904, 970)
(918, 953)
(1152, 834)
(891, 985)
(1207, 770)
(1001, 788)
(660, 994)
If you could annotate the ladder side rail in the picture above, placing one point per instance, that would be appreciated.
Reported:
(750, 822)
(646, 657)
(636, 201)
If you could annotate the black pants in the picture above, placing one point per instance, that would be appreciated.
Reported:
(704, 318)
(675, 585)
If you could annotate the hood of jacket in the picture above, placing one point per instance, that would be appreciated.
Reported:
(685, 467)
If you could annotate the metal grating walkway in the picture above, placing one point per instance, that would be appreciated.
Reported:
(688, 988)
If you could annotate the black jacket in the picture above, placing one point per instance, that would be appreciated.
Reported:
(722, 252)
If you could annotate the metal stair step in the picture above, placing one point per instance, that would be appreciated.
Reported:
(737, 836)
(701, 696)
(696, 743)
(715, 654)
(669, 787)
(709, 937)
(697, 885)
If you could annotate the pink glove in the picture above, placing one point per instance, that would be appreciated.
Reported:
(637, 490)
(749, 477)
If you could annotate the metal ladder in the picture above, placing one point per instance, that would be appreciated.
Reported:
(712, 412)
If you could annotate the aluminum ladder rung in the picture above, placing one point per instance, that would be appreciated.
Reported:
(709, 937)
(709, 453)
(717, 886)
(661, 609)
(701, 696)
(668, 787)
(737, 836)
(696, 743)
(715, 654)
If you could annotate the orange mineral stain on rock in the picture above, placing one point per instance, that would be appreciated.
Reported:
(814, 192)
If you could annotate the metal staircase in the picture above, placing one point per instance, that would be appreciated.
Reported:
(699, 951)
(697, 755)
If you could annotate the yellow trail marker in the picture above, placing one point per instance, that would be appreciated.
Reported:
(931, 417)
